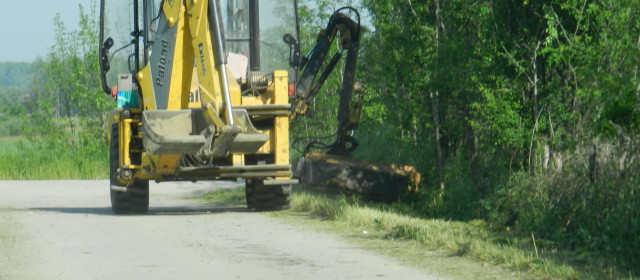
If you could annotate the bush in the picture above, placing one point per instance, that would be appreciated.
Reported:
(11, 127)
(592, 204)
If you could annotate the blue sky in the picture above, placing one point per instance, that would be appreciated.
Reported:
(27, 31)
(26, 27)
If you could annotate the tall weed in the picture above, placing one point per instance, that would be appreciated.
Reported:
(26, 160)
(592, 204)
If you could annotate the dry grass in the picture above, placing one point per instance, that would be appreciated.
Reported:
(475, 239)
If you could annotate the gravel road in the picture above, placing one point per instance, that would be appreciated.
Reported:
(65, 230)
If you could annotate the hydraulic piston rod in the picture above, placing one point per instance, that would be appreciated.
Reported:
(215, 25)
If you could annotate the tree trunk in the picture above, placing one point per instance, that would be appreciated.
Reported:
(472, 156)
(437, 137)
(593, 163)
(435, 107)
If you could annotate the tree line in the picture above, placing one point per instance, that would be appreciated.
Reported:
(59, 104)
(524, 113)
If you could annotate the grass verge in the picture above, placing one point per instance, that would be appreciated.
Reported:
(420, 240)
(226, 197)
(23, 160)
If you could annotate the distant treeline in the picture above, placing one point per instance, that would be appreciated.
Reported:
(15, 74)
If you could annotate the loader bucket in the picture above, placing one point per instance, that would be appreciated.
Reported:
(180, 132)
(171, 132)
(332, 173)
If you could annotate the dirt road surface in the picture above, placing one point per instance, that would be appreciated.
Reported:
(65, 230)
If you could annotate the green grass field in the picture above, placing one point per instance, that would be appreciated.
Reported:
(25, 160)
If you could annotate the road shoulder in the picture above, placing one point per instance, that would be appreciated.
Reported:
(405, 252)
(19, 258)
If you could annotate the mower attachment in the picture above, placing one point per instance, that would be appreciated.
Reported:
(338, 174)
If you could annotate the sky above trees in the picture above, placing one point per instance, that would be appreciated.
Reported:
(28, 29)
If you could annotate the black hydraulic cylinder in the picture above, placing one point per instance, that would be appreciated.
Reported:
(146, 31)
(136, 37)
(254, 35)
(348, 80)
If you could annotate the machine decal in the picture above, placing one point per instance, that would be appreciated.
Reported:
(201, 51)
(160, 64)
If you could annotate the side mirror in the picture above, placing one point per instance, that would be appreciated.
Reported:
(104, 64)
(294, 51)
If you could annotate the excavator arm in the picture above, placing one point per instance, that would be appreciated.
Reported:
(337, 171)
(307, 87)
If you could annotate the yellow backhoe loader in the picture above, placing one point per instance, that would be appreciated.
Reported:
(194, 104)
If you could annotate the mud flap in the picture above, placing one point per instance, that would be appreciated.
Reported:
(380, 181)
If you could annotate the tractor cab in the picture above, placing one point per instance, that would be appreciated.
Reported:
(253, 33)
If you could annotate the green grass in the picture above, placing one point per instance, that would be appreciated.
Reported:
(228, 197)
(24, 160)
(474, 240)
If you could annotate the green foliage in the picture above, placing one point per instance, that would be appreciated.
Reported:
(498, 104)
(66, 106)
(321, 124)
(25, 160)
(56, 102)
(226, 196)
(12, 111)
(324, 207)
(15, 74)
(595, 212)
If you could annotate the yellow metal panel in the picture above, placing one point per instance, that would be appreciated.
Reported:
(182, 68)
(172, 11)
(281, 142)
(234, 89)
(249, 100)
(167, 164)
(194, 91)
(264, 98)
(281, 87)
(154, 166)
(125, 137)
(266, 148)
(112, 118)
(148, 169)
(281, 133)
(146, 84)
(210, 89)
(237, 159)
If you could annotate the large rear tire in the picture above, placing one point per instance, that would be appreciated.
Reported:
(266, 197)
(136, 199)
